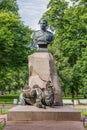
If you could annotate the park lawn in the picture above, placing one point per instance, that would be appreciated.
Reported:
(76, 97)
(4, 111)
(1, 126)
(8, 99)
(82, 110)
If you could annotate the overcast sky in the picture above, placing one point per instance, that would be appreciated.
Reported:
(31, 11)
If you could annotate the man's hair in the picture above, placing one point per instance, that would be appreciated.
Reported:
(43, 20)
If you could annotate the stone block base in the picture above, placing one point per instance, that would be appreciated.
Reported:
(45, 125)
(32, 113)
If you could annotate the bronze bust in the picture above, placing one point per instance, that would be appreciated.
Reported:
(42, 37)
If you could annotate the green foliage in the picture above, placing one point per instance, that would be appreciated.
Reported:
(9, 96)
(1, 126)
(9, 5)
(14, 38)
(55, 11)
(3, 111)
(82, 110)
(85, 92)
(8, 99)
(70, 45)
(76, 97)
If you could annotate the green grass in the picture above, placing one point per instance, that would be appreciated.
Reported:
(69, 97)
(82, 110)
(85, 126)
(9, 96)
(4, 111)
(8, 99)
(1, 126)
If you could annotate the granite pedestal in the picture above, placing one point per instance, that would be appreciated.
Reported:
(32, 113)
(41, 70)
(45, 125)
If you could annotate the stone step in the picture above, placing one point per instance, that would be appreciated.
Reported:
(32, 113)
(45, 125)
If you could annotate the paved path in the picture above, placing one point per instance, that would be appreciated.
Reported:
(45, 125)
(78, 106)
(73, 106)
(7, 105)
(3, 116)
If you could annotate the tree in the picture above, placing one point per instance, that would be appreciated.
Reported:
(55, 12)
(14, 37)
(9, 6)
(70, 42)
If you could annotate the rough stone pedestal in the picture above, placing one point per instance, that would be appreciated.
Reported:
(42, 69)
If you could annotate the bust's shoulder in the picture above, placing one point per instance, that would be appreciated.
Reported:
(49, 32)
(37, 31)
